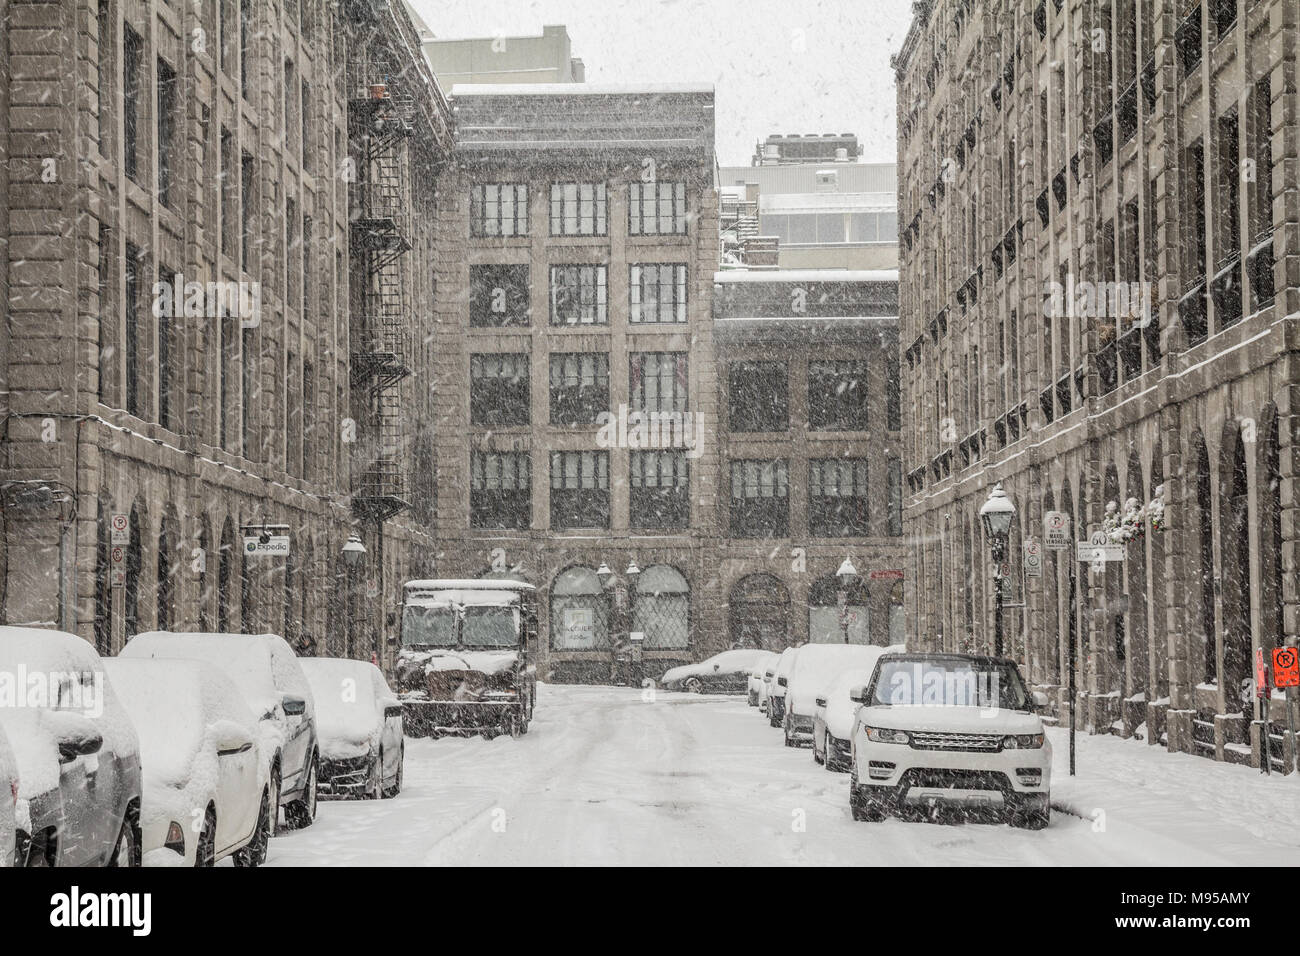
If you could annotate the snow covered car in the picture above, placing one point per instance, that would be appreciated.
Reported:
(359, 727)
(467, 664)
(8, 801)
(199, 747)
(754, 689)
(77, 753)
(765, 687)
(267, 673)
(725, 673)
(812, 671)
(776, 688)
(833, 717)
(953, 730)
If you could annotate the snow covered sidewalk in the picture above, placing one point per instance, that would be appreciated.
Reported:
(1176, 808)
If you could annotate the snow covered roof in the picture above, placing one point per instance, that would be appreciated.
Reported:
(785, 203)
(468, 584)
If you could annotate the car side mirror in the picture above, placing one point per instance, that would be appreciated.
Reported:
(821, 701)
(783, 682)
(1040, 700)
(858, 694)
(294, 707)
(77, 745)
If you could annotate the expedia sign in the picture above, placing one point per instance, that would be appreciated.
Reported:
(276, 544)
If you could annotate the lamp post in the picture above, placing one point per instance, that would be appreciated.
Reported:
(846, 577)
(354, 552)
(997, 513)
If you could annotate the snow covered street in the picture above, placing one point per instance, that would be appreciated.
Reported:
(604, 777)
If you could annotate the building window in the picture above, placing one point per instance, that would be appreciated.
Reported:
(229, 194)
(579, 489)
(893, 395)
(245, 34)
(660, 495)
(838, 498)
(498, 296)
(837, 395)
(106, 313)
(304, 106)
(165, 317)
(656, 209)
(657, 382)
(500, 491)
(895, 497)
(104, 79)
(579, 295)
(132, 58)
(579, 387)
(760, 499)
(248, 214)
(578, 209)
(579, 611)
(498, 389)
(131, 338)
(758, 398)
(661, 607)
(498, 210)
(658, 292)
(248, 366)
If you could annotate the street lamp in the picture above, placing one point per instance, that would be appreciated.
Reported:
(354, 553)
(354, 550)
(997, 513)
(846, 576)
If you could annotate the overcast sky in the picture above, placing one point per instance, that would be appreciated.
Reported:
(779, 66)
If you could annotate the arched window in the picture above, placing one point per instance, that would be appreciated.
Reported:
(166, 549)
(1235, 560)
(827, 624)
(225, 566)
(1202, 612)
(103, 585)
(579, 611)
(661, 608)
(205, 576)
(131, 597)
(759, 613)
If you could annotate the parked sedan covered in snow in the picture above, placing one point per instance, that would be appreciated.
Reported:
(360, 728)
(206, 792)
(812, 672)
(78, 755)
(833, 719)
(776, 687)
(756, 674)
(267, 673)
(725, 673)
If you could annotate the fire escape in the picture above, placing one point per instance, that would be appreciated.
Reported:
(379, 126)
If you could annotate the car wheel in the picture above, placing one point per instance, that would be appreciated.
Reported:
(128, 851)
(396, 788)
(785, 732)
(274, 802)
(864, 808)
(205, 854)
(254, 854)
(375, 785)
(693, 686)
(301, 813)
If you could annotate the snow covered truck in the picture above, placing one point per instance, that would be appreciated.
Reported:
(467, 664)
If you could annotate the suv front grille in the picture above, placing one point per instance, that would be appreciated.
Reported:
(983, 743)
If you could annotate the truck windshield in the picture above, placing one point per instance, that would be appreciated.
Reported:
(490, 627)
(429, 626)
(949, 683)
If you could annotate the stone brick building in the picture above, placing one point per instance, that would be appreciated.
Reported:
(142, 140)
(1098, 295)
(582, 380)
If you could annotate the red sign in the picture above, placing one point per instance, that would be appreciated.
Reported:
(1261, 674)
(894, 574)
(1286, 667)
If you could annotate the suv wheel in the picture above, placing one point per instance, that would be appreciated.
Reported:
(206, 852)
(302, 812)
(128, 851)
(396, 788)
(864, 809)
(254, 853)
(1032, 812)
(785, 731)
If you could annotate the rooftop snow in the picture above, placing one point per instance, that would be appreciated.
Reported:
(823, 202)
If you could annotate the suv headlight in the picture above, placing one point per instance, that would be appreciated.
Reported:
(1022, 742)
(883, 735)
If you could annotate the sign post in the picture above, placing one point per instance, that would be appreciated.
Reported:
(1033, 558)
(1056, 531)
(1261, 691)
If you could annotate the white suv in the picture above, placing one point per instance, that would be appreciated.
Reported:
(951, 729)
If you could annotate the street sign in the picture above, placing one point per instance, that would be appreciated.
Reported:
(1090, 552)
(276, 544)
(888, 574)
(1286, 667)
(1033, 559)
(120, 530)
(117, 566)
(1261, 674)
(1056, 531)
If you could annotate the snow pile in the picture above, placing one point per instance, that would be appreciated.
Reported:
(350, 699)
